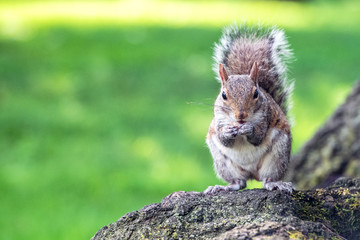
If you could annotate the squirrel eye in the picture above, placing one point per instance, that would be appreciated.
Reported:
(224, 95)
(256, 93)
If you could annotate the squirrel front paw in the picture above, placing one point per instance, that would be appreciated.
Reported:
(230, 131)
(246, 129)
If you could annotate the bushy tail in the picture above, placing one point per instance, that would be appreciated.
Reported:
(240, 46)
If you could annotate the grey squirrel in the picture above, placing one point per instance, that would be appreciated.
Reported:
(249, 136)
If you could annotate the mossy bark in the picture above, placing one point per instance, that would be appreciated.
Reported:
(328, 213)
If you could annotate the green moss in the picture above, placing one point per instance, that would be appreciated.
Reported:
(342, 212)
(296, 235)
(174, 235)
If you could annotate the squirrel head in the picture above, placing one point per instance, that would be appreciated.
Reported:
(240, 93)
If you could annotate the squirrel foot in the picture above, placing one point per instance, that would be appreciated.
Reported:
(236, 185)
(279, 185)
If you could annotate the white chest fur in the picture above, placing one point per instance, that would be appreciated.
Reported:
(243, 153)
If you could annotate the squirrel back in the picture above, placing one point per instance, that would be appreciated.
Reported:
(241, 46)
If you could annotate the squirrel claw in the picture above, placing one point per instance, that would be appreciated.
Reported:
(282, 186)
(236, 185)
(214, 189)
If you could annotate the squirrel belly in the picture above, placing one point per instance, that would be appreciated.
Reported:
(249, 136)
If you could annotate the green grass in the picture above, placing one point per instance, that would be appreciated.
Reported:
(101, 119)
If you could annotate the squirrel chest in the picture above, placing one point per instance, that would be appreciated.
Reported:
(243, 154)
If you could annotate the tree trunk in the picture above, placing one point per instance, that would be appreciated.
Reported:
(333, 151)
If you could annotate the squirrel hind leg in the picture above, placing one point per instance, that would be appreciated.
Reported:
(278, 185)
(237, 184)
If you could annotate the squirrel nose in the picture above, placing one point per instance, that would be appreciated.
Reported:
(241, 115)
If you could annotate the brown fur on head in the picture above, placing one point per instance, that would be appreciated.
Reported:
(241, 45)
(240, 92)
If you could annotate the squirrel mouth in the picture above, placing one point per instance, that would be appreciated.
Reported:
(241, 121)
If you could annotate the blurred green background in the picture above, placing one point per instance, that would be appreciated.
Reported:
(104, 105)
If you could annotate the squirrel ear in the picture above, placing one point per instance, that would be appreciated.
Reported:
(254, 72)
(223, 74)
